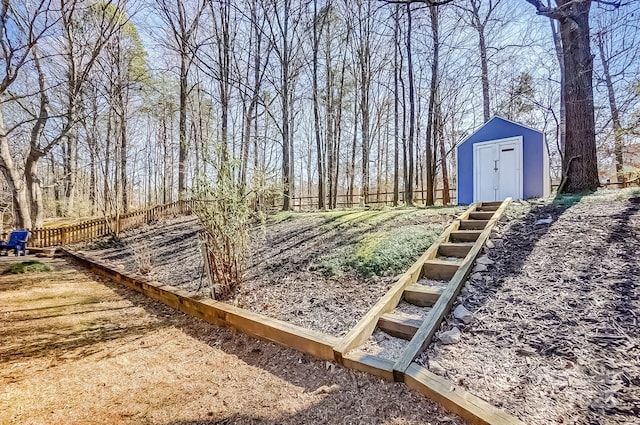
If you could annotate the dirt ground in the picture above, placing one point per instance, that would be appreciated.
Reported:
(555, 337)
(296, 271)
(78, 349)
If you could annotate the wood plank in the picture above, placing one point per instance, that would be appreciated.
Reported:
(465, 235)
(459, 250)
(471, 408)
(398, 326)
(422, 295)
(441, 308)
(365, 327)
(439, 269)
(481, 215)
(473, 224)
(369, 363)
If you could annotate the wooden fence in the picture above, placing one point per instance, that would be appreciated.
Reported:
(97, 227)
(381, 198)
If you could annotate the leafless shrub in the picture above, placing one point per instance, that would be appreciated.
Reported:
(226, 214)
(142, 256)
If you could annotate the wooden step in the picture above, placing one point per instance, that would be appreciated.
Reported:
(487, 208)
(422, 295)
(459, 250)
(399, 326)
(439, 269)
(491, 204)
(482, 215)
(464, 235)
(473, 224)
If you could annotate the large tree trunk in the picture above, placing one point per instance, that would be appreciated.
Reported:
(284, 94)
(34, 189)
(484, 61)
(124, 177)
(579, 162)
(364, 65)
(14, 181)
(439, 131)
(580, 145)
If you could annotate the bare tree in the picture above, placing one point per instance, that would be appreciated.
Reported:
(32, 25)
(181, 39)
(479, 18)
(618, 46)
(409, 171)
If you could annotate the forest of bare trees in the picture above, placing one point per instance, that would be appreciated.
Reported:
(107, 106)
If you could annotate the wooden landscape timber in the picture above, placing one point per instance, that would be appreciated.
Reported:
(371, 364)
(441, 308)
(471, 408)
(365, 327)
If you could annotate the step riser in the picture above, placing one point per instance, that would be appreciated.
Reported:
(464, 237)
(450, 250)
(399, 329)
(473, 224)
(486, 215)
(439, 271)
(420, 299)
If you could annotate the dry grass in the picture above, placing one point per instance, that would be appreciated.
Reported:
(77, 349)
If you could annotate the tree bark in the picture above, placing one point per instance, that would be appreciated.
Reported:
(578, 95)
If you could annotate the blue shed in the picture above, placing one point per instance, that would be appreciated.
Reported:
(501, 159)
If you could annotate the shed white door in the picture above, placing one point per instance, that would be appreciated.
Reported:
(497, 168)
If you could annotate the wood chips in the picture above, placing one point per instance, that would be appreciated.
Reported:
(555, 336)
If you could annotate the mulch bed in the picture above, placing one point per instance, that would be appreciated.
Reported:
(282, 278)
(555, 336)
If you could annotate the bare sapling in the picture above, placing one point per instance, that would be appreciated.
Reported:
(142, 256)
(227, 212)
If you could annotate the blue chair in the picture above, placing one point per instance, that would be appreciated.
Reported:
(17, 242)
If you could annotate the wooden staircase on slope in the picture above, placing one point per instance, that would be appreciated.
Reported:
(437, 273)
(415, 306)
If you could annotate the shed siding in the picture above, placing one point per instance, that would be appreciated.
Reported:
(532, 152)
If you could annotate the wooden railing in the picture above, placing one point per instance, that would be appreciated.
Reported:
(98, 227)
